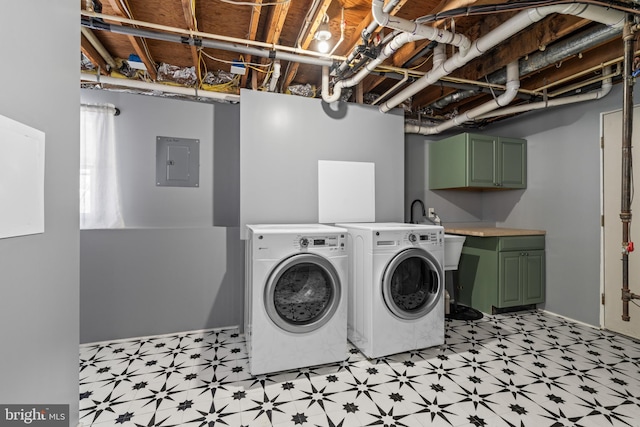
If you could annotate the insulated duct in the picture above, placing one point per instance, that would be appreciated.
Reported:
(508, 29)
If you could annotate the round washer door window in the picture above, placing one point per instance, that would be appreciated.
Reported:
(302, 293)
(412, 284)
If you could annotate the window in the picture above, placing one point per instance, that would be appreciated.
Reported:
(99, 191)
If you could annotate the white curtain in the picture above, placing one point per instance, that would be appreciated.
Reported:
(99, 191)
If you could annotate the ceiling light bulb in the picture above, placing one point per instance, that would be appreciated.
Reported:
(323, 46)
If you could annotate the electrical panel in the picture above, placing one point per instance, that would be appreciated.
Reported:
(177, 162)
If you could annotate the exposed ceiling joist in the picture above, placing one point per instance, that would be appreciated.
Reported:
(136, 43)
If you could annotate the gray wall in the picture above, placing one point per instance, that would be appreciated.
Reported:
(39, 273)
(562, 197)
(141, 119)
(283, 137)
(170, 270)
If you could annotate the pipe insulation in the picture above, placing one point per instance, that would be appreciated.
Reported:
(213, 44)
(158, 87)
(507, 29)
(513, 84)
(552, 55)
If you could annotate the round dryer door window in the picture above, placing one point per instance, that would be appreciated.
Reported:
(412, 284)
(302, 293)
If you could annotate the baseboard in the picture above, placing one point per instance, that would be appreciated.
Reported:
(196, 331)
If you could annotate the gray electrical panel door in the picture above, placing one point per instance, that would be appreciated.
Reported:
(177, 162)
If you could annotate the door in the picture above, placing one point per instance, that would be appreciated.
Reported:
(302, 293)
(412, 284)
(612, 228)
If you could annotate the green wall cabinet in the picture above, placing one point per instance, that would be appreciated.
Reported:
(473, 161)
(501, 272)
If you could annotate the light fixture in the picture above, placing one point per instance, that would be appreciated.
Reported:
(323, 35)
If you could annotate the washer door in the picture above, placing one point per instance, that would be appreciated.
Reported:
(302, 293)
(412, 284)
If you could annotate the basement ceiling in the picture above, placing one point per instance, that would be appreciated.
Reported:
(217, 47)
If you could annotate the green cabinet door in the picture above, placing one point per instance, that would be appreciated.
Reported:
(510, 279)
(482, 157)
(512, 156)
(533, 277)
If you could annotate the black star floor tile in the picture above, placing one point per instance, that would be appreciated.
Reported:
(517, 369)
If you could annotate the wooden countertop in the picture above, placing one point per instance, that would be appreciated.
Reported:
(493, 231)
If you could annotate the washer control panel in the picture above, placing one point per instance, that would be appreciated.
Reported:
(325, 241)
(414, 237)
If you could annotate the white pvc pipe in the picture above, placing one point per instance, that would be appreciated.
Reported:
(507, 29)
(513, 84)
(601, 93)
(388, 50)
(274, 76)
(384, 19)
(178, 90)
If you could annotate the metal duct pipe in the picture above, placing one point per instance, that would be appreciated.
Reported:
(213, 44)
(539, 60)
(178, 90)
(513, 84)
(508, 29)
(604, 91)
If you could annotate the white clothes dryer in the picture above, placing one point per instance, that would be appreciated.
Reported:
(396, 287)
(295, 296)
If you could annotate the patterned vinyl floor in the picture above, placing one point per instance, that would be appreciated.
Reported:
(520, 369)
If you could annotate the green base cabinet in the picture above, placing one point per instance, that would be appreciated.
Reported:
(501, 272)
(472, 161)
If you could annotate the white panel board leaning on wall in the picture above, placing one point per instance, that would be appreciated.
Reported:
(21, 179)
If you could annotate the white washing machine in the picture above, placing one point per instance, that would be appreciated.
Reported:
(396, 287)
(295, 296)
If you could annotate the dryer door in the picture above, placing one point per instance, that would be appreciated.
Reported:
(302, 293)
(412, 284)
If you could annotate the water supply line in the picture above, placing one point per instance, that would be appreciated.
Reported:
(627, 170)
(504, 31)
(198, 38)
(513, 84)
(158, 87)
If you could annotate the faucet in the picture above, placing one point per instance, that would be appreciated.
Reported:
(424, 214)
